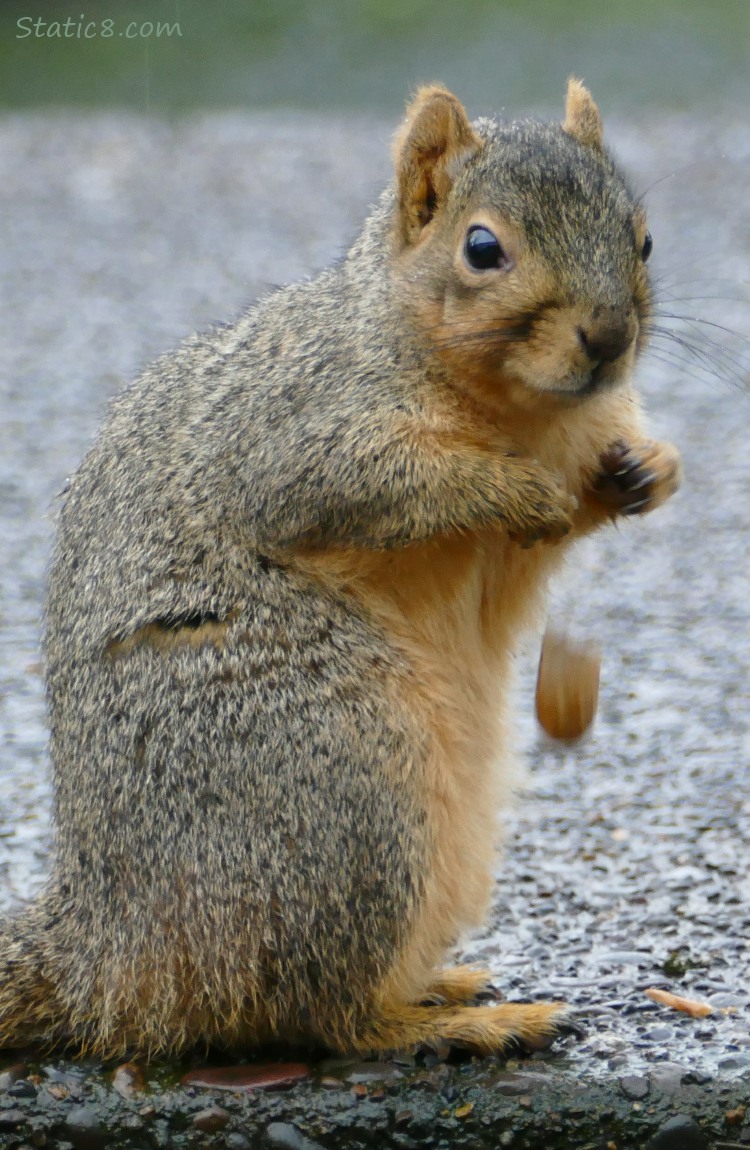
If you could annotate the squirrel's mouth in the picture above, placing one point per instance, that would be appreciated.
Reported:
(601, 377)
(582, 382)
(577, 386)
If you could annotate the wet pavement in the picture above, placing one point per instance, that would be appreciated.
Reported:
(627, 863)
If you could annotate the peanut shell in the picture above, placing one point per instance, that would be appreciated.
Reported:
(567, 688)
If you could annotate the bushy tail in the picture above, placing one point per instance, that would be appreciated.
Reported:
(30, 1011)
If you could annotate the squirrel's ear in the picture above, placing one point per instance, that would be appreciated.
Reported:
(429, 151)
(582, 118)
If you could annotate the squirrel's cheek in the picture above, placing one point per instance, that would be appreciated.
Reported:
(551, 355)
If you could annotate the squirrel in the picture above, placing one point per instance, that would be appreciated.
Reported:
(288, 582)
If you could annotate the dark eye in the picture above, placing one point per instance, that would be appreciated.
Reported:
(648, 244)
(483, 250)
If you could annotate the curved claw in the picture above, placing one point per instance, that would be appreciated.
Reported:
(635, 479)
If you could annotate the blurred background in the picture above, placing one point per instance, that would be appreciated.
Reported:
(176, 55)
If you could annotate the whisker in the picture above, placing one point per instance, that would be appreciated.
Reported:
(694, 333)
(693, 298)
(699, 343)
(700, 319)
(716, 361)
(678, 369)
(701, 279)
(684, 369)
(506, 334)
(677, 172)
(705, 346)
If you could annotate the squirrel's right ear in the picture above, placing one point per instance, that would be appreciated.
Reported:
(582, 119)
(429, 151)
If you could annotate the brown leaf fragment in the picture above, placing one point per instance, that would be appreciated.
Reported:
(255, 1076)
(677, 1002)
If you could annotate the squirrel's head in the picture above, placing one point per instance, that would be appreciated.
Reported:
(519, 249)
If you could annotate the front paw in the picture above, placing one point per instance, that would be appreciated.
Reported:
(634, 480)
(546, 521)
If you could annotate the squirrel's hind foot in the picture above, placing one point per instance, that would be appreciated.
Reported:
(480, 1029)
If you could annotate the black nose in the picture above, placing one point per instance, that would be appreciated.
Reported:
(608, 339)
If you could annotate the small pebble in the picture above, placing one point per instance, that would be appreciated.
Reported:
(84, 1128)
(22, 1089)
(237, 1141)
(667, 1077)
(735, 1062)
(211, 1119)
(727, 1001)
(288, 1137)
(518, 1082)
(12, 1074)
(372, 1072)
(82, 1118)
(634, 1086)
(161, 1134)
(131, 1122)
(659, 1033)
(679, 1133)
(9, 1119)
(128, 1080)
(626, 958)
(695, 1078)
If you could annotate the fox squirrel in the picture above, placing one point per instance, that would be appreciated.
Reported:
(288, 582)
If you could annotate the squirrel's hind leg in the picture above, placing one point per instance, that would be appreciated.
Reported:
(31, 1009)
(480, 1029)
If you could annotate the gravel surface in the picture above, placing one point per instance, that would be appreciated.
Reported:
(628, 861)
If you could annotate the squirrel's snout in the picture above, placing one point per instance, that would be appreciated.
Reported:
(607, 339)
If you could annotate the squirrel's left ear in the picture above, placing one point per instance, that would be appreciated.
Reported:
(429, 151)
(582, 118)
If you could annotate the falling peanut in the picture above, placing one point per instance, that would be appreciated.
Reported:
(567, 688)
